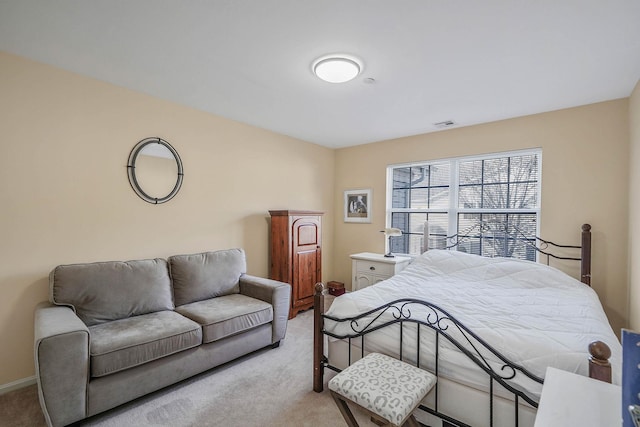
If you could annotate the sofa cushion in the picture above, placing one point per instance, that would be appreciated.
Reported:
(104, 291)
(227, 315)
(206, 275)
(130, 342)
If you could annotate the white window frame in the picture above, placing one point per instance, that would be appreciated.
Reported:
(453, 210)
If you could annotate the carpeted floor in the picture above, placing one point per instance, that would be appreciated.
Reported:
(268, 388)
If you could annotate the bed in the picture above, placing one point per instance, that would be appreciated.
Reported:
(487, 327)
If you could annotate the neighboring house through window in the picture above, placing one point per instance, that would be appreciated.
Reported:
(489, 205)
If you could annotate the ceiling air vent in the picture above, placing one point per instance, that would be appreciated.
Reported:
(445, 124)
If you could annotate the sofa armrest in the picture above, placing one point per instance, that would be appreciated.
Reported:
(276, 293)
(61, 351)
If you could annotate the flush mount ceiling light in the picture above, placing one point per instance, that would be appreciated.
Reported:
(337, 68)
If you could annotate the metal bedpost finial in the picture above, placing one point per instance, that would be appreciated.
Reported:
(586, 227)
(599, 365)
(599, 351)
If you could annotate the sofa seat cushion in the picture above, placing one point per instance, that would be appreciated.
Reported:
(227, 315)
(130, 342)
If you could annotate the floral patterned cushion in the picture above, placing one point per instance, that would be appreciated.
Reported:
(384, 385)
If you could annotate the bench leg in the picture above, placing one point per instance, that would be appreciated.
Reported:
(378, 422)
(411, 422)
(344, 410)
(351, 420)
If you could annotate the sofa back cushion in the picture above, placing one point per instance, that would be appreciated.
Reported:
(206, 275)
(103, 291)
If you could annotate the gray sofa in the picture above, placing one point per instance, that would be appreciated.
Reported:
(114, 331)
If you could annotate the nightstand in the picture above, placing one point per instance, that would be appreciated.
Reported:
(570, 399)
(368, 268)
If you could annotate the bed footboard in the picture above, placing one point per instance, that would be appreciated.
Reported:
(599, 366)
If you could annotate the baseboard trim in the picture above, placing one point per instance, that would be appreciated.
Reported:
(17, 384)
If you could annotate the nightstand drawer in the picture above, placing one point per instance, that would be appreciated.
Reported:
(370, 268)
(378, 268)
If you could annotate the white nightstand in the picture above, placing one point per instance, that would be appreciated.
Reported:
(570, 399)
(368, 268)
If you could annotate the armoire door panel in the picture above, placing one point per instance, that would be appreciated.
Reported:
(301, 232)
(307, 234)
(305, 273)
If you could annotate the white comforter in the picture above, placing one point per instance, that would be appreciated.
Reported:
(535, 315)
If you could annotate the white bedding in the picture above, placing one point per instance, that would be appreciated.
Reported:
(535, 315)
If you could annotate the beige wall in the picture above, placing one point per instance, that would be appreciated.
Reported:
(584, 180)
(66, 198)
(634, 209)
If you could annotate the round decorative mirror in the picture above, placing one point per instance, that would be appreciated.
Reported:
(155, 170)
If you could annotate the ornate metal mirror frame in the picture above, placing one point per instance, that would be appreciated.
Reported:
(134, 178)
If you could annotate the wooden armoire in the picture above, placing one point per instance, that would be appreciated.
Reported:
(296, 253)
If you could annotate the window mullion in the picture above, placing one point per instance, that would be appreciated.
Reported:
(498, 211)
(482, 185)
(429, 187)
(454, 178)
(508, 182)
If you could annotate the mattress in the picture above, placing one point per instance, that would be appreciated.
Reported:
(534, 315)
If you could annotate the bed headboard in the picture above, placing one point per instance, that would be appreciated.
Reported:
(545, 248)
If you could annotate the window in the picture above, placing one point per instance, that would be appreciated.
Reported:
(491, 203)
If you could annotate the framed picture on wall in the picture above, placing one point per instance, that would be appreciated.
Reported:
(357, 205)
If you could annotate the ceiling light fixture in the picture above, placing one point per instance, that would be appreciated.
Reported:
(337, 68)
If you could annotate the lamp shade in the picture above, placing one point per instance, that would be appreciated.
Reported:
(392, 232)
(388, 234)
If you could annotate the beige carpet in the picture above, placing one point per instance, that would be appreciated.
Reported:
(268, 388)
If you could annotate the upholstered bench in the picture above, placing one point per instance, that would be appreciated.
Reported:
(388, 389)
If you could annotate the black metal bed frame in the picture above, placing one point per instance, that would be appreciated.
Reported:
(440, 321)
(424, 314)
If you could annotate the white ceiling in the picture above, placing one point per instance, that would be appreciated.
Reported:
(250, 60)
